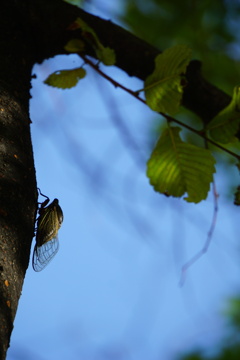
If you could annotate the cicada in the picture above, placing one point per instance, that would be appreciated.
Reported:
(49, 222)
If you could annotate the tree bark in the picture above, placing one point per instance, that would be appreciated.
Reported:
(18, 196)
(32, 31)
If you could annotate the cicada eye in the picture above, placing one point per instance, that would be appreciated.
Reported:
(48, 223)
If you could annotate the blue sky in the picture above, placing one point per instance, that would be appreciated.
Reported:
(112, 291)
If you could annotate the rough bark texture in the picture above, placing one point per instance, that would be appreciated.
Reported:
(30, 32)
(17, 209)
(17, 175)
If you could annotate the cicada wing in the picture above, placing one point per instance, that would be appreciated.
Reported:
(43, 254)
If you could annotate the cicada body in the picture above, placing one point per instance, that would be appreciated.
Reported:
(48, 223)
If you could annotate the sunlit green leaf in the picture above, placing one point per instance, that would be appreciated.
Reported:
(163, 88)
(65, 79)
(193, 356)
(226, 124)
(176, 168)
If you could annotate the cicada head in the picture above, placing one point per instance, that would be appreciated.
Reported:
(48, 223)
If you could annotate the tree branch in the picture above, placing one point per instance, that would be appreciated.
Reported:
(134, 56)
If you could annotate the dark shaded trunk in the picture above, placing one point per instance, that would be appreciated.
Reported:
(18, 197)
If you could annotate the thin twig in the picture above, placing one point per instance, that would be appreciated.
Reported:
(203, 251)
(111, 80)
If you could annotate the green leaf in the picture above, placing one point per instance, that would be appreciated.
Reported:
(163, 89)
(225, 125)
(105, 54)
(65, 79)
(75, 45)
(176, 168)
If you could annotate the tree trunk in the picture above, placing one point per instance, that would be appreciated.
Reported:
(31, 31)
(18, 196)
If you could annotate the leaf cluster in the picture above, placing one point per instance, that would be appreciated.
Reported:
(175, 167)
(211, 31)
(66, 79)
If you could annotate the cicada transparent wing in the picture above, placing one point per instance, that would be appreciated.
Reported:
(48, 223)
(42, 255)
